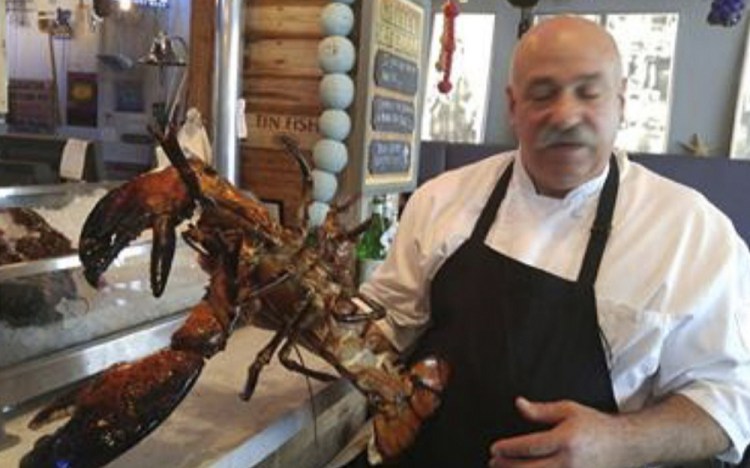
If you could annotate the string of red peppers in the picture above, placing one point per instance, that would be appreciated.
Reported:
(447, 45)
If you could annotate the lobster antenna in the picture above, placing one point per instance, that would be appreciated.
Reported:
(313, 408)
(173, 150)
(291, 146)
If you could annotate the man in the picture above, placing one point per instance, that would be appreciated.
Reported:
(593, 313)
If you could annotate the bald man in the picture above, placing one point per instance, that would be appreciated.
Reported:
(591, 311)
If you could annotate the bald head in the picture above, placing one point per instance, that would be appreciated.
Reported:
(560, 38)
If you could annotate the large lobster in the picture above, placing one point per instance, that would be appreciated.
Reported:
(287, 280)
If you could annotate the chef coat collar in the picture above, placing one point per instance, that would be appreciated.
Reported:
(523, 182)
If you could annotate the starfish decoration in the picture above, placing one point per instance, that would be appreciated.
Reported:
(697, 147)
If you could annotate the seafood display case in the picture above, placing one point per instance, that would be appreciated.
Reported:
(56, 330)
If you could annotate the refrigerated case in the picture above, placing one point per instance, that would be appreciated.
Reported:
(69, 330)
(55, 328)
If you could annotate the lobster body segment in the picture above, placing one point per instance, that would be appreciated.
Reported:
(290, 281)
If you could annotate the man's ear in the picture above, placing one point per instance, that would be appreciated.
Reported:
(511, 105)
(621, 96)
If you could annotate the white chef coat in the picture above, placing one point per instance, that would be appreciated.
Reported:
(672, 294)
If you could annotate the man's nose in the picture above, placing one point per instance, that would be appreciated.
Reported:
(566, 111)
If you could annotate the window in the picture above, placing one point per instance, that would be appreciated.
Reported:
(647, 43)
(459, 115)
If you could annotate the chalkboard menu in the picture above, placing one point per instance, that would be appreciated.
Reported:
(388, 157)
(396, 73)
(395, 54)
(392, 115)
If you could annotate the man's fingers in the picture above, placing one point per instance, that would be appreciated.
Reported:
(550, 413)
(501, 462)
(529, 446)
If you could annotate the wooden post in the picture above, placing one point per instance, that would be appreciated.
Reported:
(201, 61)
(280, 80)
(55, 93)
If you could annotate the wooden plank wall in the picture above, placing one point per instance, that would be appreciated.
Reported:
(280, 86)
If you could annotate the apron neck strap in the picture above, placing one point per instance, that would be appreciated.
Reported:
(602, 226)
(482, 227)
(600, 229)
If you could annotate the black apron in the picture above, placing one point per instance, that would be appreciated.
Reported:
(509, 329)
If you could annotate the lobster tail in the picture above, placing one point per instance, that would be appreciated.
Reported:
(398, 421)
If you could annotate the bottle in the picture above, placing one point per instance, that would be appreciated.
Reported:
(370, 248)
(370, 245)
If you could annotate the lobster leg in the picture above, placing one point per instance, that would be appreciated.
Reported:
(265, 355)
(348, 311)
(294, 366)
(261, 360)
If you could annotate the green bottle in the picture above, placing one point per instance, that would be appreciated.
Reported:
(370, 246)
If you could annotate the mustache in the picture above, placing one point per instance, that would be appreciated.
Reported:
(578, 135)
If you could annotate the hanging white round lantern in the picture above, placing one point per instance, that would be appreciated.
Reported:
(316, 213)
(336, 54)
(330, 155)
(324, 185)
(336, 91)
(336, 57)
(335, 124)
(337, 19)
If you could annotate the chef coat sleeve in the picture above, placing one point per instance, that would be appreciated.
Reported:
(400, 283)
(706, 357)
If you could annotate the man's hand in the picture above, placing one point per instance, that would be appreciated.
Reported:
(673, 430)
(580, 436)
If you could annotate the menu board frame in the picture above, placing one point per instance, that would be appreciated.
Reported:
(390, 89)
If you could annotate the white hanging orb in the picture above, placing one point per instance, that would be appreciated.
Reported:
(337, 19)
(330, 155)
(336, 54)
(316, 213)
(336, 91)
(335, 124)
(324, 186)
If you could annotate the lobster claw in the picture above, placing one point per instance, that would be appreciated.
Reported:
(116, 411)
(162, 253)
(158, 200)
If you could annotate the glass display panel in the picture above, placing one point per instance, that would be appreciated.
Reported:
(46, 305)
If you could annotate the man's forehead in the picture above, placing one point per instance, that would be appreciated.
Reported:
(552, 80)
(566, 43)
(567, 31)
(565, 65)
